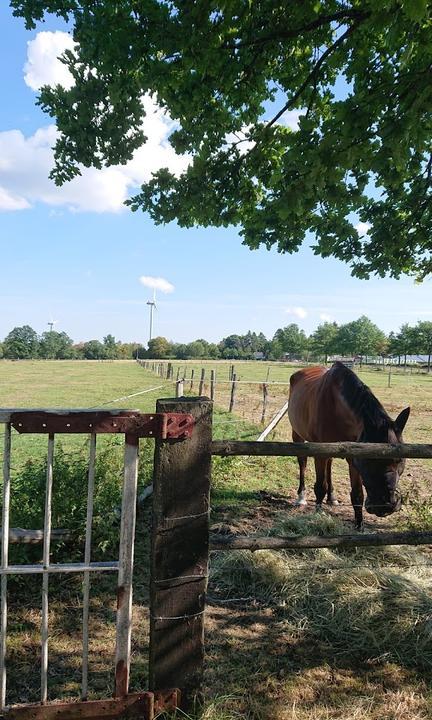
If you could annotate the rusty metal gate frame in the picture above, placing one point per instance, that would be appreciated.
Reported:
(133, 425)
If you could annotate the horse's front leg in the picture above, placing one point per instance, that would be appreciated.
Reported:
(357, 495)
(302, 461)
(320, 481)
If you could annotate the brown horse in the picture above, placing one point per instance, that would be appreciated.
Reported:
(332, 405)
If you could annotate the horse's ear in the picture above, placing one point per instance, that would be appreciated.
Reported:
(401, 419)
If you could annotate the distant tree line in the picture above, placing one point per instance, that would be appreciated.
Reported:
(358, 338)
(23, 343)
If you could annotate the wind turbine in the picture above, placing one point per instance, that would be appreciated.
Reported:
(51, 324)
(152, 304)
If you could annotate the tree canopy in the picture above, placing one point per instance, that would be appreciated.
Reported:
(234, 75)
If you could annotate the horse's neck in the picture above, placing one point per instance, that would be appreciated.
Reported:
(334, 419)
(364, 405)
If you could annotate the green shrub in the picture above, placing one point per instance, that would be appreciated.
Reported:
(69, 498)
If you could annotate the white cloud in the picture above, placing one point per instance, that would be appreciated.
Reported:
(291, 118)
(298, 312)
(25, 162)
(241, 140)
(43, 66)
(325, 317)
(156, 283)
(363, 228)
(11, 202)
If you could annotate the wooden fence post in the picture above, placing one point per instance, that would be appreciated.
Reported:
(179, 553)
(233, 392)
(192, 379)
(212, 384)
(265, 398)
(201, 385)
(179, 388)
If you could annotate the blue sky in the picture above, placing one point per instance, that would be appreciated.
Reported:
(74, 255)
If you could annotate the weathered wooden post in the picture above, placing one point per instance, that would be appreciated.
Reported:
(179, 553)
(179, 388)
(201, 385)
(212, 384)
(265, 399)
(233, 392)
(178, 373)
(192, 379)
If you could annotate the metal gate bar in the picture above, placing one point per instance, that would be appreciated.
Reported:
(46, 563)
(87, 558)
(4, 560)
(126, 557)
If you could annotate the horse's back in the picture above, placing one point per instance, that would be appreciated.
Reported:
(317, 410)
(302, 405)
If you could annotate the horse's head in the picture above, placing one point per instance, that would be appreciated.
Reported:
(380, 477)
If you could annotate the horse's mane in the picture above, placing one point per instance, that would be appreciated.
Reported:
(360, 398)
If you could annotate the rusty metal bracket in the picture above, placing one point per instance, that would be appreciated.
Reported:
(145, 705)
(165, 426)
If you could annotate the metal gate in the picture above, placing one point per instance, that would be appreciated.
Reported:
(133, 425)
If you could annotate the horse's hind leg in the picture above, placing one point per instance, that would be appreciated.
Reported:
(302, 461)
(321, 481)
(331, 499)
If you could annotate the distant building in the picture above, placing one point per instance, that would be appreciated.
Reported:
(258, 356)
(348, 361)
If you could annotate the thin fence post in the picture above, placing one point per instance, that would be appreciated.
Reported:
(192, 379)
(201, 385)
(179, 553)
(178, 373)
(265, 398)
(212, 384)
(233, 392)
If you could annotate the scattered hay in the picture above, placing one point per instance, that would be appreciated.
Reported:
(373, 605)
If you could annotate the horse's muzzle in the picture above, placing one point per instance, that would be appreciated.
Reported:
(383, 508)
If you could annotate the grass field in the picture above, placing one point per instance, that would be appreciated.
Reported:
(316, 635)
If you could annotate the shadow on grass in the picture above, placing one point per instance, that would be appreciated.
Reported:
(319, 643)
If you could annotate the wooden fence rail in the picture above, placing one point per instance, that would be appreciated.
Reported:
(308, 542)
(374, 451)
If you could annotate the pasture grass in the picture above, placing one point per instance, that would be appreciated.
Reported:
(316, 635)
